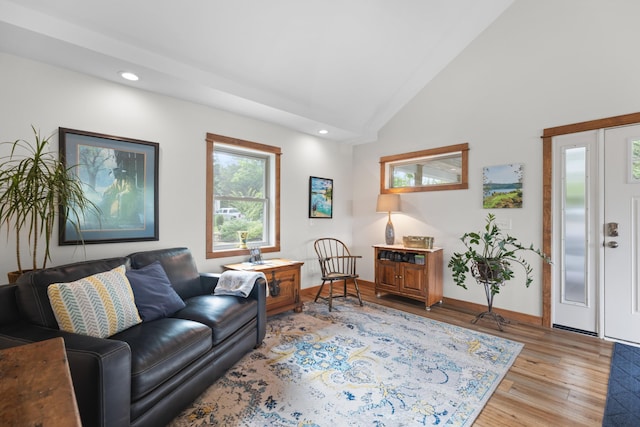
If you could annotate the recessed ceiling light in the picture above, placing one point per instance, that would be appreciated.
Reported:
(127, 75)
(323, 131)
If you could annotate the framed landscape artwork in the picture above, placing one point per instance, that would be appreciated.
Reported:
(502, 186)
(320, 197)
(120, 176)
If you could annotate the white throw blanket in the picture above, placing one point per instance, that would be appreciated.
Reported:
(238, 283)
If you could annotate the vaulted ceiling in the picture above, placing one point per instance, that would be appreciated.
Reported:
(346, 66)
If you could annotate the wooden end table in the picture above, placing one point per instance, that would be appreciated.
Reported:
(283, 279)
(420, 281)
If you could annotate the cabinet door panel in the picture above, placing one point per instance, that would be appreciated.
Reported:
(413, 279)
(386, 273)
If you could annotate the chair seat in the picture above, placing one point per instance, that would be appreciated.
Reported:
(339, 276)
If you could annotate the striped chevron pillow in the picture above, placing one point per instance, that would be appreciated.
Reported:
(100, 305)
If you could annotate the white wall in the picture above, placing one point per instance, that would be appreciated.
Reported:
(542, 64)
(49, 97)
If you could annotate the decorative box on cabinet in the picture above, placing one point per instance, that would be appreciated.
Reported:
(402, 271)
(283, 278)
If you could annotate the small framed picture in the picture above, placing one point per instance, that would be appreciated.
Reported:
(255, 256)
(502, 186)
(320, 197)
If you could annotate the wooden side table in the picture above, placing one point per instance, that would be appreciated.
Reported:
(398, 272)
(36, 387)
(283, 278)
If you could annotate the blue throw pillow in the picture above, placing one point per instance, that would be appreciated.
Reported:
(154, 295)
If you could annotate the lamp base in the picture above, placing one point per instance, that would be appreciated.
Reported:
(389, 234)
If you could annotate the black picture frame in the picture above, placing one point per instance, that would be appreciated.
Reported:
(320, 197)
(120, 176)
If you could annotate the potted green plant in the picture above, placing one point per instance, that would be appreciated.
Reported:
(490, 257)
(35, 186)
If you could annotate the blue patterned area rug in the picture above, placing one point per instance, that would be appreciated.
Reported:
(623, 395)
(357, 366)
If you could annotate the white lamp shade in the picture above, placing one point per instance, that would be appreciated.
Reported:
(388, 203)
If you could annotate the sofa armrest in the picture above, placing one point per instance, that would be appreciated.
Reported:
(208, 281)
(100, 371)
(259, 292)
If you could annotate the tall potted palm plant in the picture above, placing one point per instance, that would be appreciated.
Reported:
(35, 186)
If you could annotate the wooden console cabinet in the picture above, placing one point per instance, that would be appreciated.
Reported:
(283, 278)
(397, 273)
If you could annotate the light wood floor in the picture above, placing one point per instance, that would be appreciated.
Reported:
(559, 379)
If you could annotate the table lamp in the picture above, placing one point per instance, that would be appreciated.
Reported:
(388, 203)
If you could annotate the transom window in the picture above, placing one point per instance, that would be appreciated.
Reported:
(243, 196)
(443, 168)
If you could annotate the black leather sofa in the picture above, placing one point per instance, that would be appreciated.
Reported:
(144, 375)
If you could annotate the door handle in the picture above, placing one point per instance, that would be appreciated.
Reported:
(612, 244)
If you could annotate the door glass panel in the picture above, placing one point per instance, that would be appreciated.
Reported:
(575, 228)
(635, 160)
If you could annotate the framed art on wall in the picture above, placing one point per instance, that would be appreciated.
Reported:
(320, 197)
(502, 186)
(120, 176)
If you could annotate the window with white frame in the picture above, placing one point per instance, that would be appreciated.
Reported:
(242, 196)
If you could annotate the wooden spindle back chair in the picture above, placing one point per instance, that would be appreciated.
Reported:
(336, 264)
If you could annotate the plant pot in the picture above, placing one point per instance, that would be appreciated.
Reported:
(13, 276)
(489, 271)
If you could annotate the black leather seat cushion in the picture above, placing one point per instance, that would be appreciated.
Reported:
(224, 314)
(160, 349)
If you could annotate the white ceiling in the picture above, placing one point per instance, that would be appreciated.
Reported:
(342, 65)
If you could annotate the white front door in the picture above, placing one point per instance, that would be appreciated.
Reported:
(622, 217)
(576, 232)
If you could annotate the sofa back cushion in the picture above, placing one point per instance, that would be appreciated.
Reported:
(8, 307)
(155, 297)
(31, 295)
(179, 265)
(99, 305)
